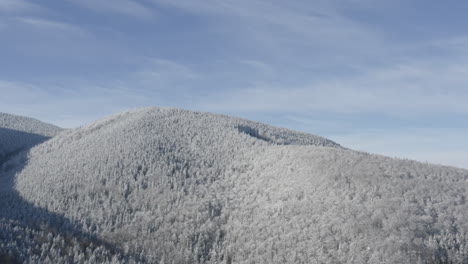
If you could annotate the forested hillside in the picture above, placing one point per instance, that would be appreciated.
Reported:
(18, 133)
(163, 185)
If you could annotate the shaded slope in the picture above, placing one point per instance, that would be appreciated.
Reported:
(19, 133)
(189, 187)
(30, 234)
(28, 125)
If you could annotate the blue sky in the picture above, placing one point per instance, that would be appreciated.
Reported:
(387, 77)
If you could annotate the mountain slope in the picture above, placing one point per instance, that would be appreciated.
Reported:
(28, 125)
(18, 133)
(29, 234)
(169, 185)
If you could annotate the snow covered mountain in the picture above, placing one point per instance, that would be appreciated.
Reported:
(164, 185)
(19, 133)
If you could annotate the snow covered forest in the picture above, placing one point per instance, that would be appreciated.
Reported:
(18, 133)
(164, 185)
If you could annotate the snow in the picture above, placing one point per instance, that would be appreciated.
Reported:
(165, 184)
(19, 133)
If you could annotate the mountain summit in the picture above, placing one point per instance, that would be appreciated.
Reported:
(164, 185)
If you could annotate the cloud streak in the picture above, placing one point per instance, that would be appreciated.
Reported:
(121, 7)
(285, 30)
(15, 6)
(414, 88)
(51, 25)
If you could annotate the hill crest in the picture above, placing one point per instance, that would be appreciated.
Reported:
(168, 185)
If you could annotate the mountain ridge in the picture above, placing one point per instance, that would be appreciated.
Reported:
(19, 133)
(171, 185)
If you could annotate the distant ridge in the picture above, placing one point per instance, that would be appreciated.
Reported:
(19, 133)
(28, 125)
(165, 185)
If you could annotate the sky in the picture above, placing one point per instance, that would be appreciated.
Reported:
(386, 77)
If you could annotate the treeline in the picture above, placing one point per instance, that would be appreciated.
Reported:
(164, 185)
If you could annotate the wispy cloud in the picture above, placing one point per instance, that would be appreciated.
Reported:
(15, 6)
(46, 24)
(162, 68)
(123, 7)
(402, 89)
(258, 66)
(284, 30)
